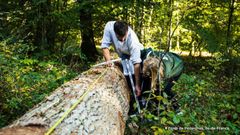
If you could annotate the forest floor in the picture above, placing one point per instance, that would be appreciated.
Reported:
(208, 95)
(209, 100)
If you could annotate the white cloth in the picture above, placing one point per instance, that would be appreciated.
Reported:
(131, 46)
(128, 67)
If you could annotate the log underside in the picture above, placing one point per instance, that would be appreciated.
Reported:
(104, 109)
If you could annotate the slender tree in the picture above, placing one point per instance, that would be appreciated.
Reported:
(86, 26)
(229, 25)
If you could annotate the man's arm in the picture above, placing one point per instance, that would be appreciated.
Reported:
(106, 41)
(107, 56)
(137, 78)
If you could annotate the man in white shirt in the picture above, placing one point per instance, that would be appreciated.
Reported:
(126, 44)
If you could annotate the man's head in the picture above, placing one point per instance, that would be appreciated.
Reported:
(121, 29)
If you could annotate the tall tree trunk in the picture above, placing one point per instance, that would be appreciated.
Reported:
(170, 15)
(86, 26)
(148, 25)
(51, 28)
(229, 42)
(139, 9)
(177, 32)
(229, 29)
(40, 34)
(103, 110)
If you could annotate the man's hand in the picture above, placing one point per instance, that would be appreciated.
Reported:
(138, 90)
(109, 63)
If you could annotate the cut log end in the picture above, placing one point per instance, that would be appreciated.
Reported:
(20, 130)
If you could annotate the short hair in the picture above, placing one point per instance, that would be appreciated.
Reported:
(120, 28)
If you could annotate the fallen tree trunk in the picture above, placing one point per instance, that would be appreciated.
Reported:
(103, 109)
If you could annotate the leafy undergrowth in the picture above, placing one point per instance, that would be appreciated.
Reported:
(209, 101)
(209, 106)
(25, 81)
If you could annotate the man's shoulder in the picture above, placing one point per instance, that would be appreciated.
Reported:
(110, 23)
(109, 26)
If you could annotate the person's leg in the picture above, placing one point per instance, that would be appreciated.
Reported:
(132, 100)
(145, 86)
(142, 97)
(125, 72)
(171, 95)
(168, 87)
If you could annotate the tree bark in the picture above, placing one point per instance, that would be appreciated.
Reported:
(103, 110)
(170, 15)
(229, 29)
(229, 43)
(86, 26)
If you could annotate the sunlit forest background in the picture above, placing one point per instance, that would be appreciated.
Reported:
(45, 43)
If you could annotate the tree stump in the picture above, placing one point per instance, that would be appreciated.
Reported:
(103, 110)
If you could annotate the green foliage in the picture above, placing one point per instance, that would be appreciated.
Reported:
(71, 54)
(208, 104)
(48, 25)
(26, 81)
(210, 21)
(157, 118)
(38, 37)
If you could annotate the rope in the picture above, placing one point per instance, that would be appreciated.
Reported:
(51, 129)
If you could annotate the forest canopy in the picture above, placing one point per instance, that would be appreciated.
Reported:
(57, 26)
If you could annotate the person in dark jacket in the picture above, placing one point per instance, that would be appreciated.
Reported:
(163, 66)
